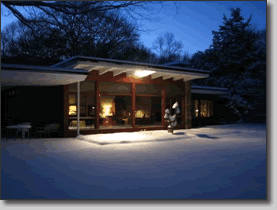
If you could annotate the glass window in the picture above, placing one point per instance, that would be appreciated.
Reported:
(148, 111)
(210, 113)
(85, 86)
(113, 87)
(196, 108)
(91, 106)
(72, 99)
(83, 100)
(173, 90)
(204, 108)
(154, 89)
(115, 111)
(73, 105)
(73, 110)
(82, 110)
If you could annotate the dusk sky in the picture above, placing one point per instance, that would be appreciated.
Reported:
(192, 23)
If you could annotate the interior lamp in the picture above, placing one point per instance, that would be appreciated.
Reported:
(143, 73)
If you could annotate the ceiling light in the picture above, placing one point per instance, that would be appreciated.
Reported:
(143, 73)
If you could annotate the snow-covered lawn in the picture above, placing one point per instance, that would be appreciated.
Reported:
(213, 162)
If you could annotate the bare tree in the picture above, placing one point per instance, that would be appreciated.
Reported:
(168, 48)
(104, 35)
(51, 8)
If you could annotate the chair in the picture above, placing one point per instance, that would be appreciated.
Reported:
(52, 128)
(43, 130)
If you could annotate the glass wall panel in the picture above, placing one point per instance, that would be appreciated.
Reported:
(210, 113)
(115, 112)
(91, 106)
(87, 110)
(204, 108)
(85, 86)
(196, 111)
(72, 99)
(173, 90)
(148, 111)
(113, 87)
(154, 89)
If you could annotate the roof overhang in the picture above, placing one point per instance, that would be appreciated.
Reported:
(131, 68)
(209, 90)
(27, 75)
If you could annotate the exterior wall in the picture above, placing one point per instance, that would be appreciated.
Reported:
(38, 105)
(178, 88)
(188, 119)
(218, 110)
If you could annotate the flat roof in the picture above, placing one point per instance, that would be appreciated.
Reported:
(95, 59)
(117, 67)
(28, 75)
(19, 67)
(209, 90)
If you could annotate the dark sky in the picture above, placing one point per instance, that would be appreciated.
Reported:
(194, 21)
(191, 22)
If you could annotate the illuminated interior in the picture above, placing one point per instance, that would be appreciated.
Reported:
(196, 108)
(140, 113)
(206, 108)
(73, 110)
(203, 108)
(107, 106)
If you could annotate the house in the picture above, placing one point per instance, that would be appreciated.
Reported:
(114, 95)
(208, 104)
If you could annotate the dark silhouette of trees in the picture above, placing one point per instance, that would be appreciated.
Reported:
(102, 35)
(62, 29)
(237, 59)
(51, 8)
(168, 48)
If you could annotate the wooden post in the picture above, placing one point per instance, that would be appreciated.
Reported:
(97, 99)
(183, 111)
(199, 108)
(6, 105)
(163, 106)
(188, 104)
(78, 108)
(133, 114)
(65, 111)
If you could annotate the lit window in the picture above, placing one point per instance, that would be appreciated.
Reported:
(204, 108)
(196, 108)
(73, 110)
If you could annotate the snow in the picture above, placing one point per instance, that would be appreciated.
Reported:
(213, 162)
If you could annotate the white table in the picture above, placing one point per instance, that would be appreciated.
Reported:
(22, 128)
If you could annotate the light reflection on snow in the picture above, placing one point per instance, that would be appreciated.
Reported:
(122, 136)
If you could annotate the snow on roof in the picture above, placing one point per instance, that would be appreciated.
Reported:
(94, 59)
(48, 69)
(208, 88)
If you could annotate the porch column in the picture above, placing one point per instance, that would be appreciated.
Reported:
(183, 111)
(78, 108)
(188, 104)
(97, 95)
(133, 114)
(65, 110)
(163, 106)
(199, 108)
(6, 105)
